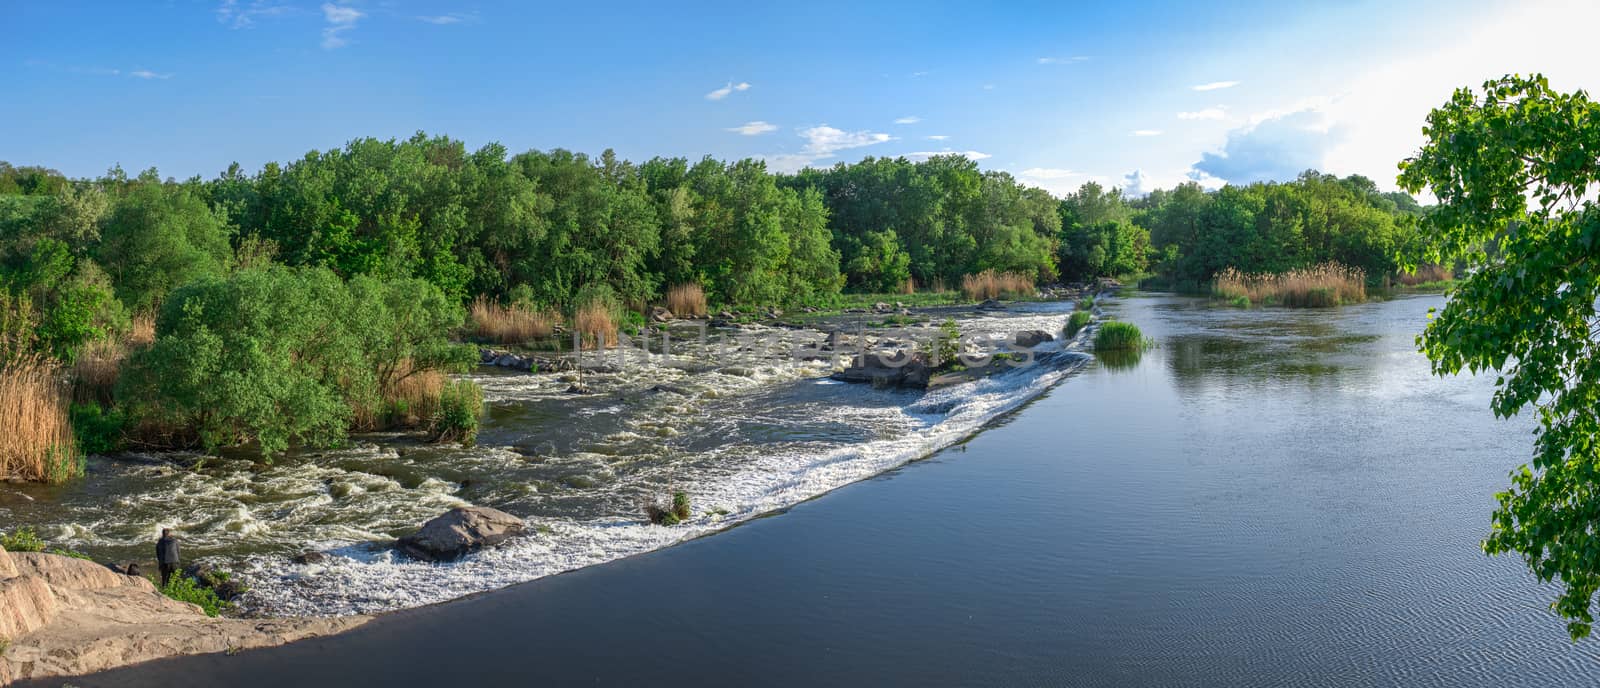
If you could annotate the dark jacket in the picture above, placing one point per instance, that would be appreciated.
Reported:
(167, 550)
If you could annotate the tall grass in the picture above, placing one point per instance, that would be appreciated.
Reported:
(1077, 321)
(1115, 335)
(515, 324)
(909, 286)
(1426, 274)
(1318, 286)
(36, 441)
(993, 285)
(595, 325)
(686, 300)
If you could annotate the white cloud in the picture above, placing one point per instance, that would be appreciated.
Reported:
(340, 19)
(725, 91)
(1276, 147)
(1058, 181)
(238, 16)
(1063, 60)
(445, 19)
(1145, 132)
(1217, 112)
(822, 142)
(909, 119)
(970, 155)
(1215, 85)
(938, 137)
(754, 128)
(988, 87)
(919, 74)
(1136, 184)
(147, 74)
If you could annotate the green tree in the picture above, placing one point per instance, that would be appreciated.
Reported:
(157, 238)
(1512, 169)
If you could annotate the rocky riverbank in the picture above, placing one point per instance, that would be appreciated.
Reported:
(61, 616)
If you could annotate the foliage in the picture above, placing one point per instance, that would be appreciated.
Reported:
(285, 356)
(1077, 321)
(460, 406)
(1512, 168)
(1085, 304)
(185, 589)
(1115, 335)
(21, 540)
(97, 428)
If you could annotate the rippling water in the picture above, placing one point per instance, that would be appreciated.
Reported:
(744, 430)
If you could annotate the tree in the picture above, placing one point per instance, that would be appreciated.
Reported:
(1512, 170)
(158, 238)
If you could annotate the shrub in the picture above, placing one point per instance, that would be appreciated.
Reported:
(1077, 321)
(21, 540)
(992, 285)
(1119, 336)
(99, 429)
(460, 406)
(1325, 285)
(686, 300)
(514, 324)
(285, 356)
(185, 589)
(36, 440)
(1427, 273)
(680, 505)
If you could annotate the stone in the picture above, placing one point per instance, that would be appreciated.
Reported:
(26, 605)
(68, 573)
(885, 370)
(459, 531)
(659, 314)
(577, 388)
(1031, 338)
(311, 557)
(880, 306)
(7, 568)
(219, 581)
(991, 305)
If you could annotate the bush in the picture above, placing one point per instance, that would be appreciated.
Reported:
(98, 429)
(1077, 321)
(1119, 336)
(22, 540)
(184, 589)
(285, 356)
(460, 406)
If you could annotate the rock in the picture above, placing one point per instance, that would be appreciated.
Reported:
(660, 315)
(459, 531)
(311, 557)
(880, 307)
(725, 315)
(577, 388)
(220, 582)
(885, 370)
(128, 568)
(774, 313)
(991, 305)
(900, 305)
(63, 616)
(1032, 338)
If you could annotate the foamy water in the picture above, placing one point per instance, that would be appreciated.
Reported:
(743, 430)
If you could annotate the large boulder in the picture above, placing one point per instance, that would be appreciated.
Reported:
(26, 605)
(68, 573)
(7, 569)
(884, 369)
(660, 315)
(459, 531)
(1031, 338)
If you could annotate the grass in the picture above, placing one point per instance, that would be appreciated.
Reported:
(669, 515)
(1319, 286)
(1086, 303)
(686, 300)
(184, 589)
(22, 540)
(993, 285)
(95, 372)
(1077, 321)
(1116, 335)
(595, 325)
(514, 324)
(36, 439)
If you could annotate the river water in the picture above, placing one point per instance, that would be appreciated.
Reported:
(1268, 498)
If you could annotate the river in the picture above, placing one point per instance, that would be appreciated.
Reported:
(1268, 497)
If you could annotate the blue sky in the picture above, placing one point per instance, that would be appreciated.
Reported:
(1056, 93)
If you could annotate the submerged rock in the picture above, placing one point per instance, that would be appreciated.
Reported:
(991, 305)
(1032, 338)
(311, 557)
(459, 531)
(884, 370)
(659, 314)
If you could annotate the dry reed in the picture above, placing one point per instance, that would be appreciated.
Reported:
(1327, 284)
(993, 285)
(909, 286)
(36, 440)
(686, 300)
(514, 324)
(1426, 273)
(595, 326)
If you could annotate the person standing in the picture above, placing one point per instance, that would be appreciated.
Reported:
(167, 555)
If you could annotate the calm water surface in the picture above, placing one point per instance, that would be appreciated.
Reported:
(1270, 498)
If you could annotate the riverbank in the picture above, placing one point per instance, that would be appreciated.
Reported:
(1160, 525)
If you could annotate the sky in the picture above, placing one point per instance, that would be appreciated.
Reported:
(1138, 96)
